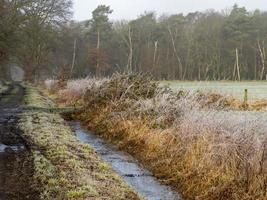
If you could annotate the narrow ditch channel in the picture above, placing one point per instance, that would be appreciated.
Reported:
(126, 166)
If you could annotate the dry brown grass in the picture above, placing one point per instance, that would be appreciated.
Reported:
(191, 141)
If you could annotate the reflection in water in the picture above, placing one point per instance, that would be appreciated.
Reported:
(11, 148)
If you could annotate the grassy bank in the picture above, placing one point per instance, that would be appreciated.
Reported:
(63, 167)
(201, 147)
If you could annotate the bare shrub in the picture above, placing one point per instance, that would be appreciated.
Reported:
(50, 84)
(75, 89)
(119, 88)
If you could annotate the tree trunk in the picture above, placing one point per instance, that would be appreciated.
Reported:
(262, 56)
(97, 54)
(237, 64)
(130, 57)
(29, 73)
(73, 56)
(155, 54)
(180, 69)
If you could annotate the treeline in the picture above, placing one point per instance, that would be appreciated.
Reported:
(228, 45)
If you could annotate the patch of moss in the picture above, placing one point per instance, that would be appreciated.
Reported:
(76, 194)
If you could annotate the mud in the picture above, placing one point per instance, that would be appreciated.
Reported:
(126, 166)
(16, 166)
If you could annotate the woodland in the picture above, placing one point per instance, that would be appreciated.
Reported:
(42, 38)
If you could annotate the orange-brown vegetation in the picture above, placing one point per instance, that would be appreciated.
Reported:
(194, 142)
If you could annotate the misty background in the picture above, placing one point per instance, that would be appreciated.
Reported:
(171, 40)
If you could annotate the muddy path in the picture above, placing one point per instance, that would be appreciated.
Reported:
(126, 166)
(15, 158)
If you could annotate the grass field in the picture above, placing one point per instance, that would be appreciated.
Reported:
(256, 90)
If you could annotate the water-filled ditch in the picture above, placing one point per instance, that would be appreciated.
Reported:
(127, 167)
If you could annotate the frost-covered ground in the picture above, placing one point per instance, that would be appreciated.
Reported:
(256, 89)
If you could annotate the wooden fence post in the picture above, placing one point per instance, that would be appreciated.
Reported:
(245, 103)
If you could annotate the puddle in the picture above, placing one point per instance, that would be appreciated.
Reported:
(16, 164)
(11, 148)
(127, 167)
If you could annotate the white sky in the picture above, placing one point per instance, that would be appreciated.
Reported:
(130, 9)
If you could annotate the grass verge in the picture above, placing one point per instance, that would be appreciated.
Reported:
(63, 167)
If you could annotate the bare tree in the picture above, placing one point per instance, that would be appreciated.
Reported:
(74, 56)
(236, 66)
(180, 66)
(155, 53)
(261, 49)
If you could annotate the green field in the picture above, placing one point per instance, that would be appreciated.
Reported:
(256, 89)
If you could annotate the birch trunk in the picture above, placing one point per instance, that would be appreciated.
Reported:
(263, 57)
(73, 56)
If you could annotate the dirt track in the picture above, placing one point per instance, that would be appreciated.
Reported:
(15, 158)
